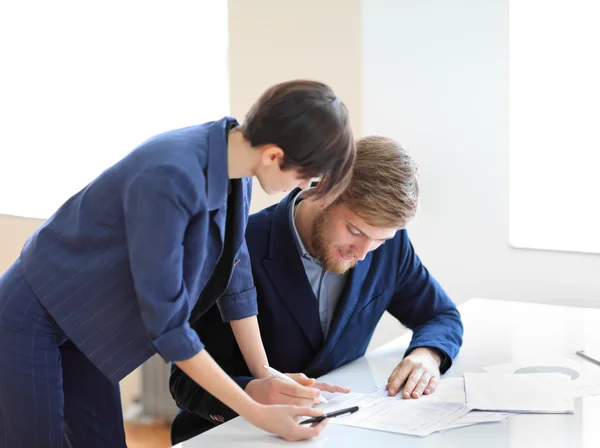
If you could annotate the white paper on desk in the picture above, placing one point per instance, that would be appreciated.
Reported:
(477, 417)
(585, 378)
(341, 401)
(449, 390)
(394, 414)
(452, 390)
(535, 392)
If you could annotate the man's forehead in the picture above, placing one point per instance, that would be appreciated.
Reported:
(342, 213)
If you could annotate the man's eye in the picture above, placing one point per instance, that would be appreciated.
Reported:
(353, 231)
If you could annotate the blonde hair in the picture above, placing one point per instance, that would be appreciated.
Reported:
(384, 188)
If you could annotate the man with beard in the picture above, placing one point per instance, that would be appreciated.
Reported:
(325, 274)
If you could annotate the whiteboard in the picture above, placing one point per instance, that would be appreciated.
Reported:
(554, 160)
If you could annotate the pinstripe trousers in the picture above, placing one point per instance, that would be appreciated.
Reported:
(51, 395)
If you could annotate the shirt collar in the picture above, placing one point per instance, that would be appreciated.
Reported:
(301, 248)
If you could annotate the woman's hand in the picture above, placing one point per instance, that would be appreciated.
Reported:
(283, 421)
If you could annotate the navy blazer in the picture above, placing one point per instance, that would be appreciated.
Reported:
(122, 264)
(390, 278)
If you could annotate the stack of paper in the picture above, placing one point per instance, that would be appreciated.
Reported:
(585, 377)
(452, 390)
(509, 392)
(441, 411)
(472, 399)
(394, 414)
(476, 418)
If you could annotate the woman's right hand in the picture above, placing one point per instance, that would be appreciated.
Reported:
(276, 419)
(282, 420)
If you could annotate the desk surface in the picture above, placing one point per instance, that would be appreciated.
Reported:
(495, 332)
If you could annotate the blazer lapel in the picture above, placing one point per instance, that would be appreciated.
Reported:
(239, 214)
(217, 180)
(286, 271)
(217, 177)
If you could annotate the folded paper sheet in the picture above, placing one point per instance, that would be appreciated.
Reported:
(585, 376)
(530, 393)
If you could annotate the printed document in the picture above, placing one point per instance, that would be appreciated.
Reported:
(394, 414)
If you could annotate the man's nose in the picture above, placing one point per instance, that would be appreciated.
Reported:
(361, 250)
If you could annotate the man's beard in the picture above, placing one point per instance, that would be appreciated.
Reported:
(326, 253)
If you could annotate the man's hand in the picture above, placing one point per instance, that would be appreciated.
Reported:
(275, 391)
(420, 371)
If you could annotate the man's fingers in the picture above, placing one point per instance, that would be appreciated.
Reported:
(396, 380)
(412, 381)
(421, 385)
(432, 386)
(331, 388)
(392, 376)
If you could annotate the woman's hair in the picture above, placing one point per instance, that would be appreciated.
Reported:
(312, 127)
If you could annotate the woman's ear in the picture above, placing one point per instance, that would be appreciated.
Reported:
(271, 154)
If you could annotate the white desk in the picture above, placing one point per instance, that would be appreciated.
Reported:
(495, 331)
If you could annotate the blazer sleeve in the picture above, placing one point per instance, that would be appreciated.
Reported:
(190, 397)
(421, 304)
(158, 205)
(239, 300)
(221, 344)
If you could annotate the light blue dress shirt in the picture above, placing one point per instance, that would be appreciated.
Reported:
(327, 286)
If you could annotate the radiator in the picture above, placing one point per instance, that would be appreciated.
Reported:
(156, 399)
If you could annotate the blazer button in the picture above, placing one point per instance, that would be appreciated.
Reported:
(212, 417)
(219, 418)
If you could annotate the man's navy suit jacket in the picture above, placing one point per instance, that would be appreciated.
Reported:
(391, 278)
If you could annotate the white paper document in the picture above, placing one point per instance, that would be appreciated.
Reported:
(585, 377)
(477, 417)
(449, 390)
(394, 414)
(534, 392)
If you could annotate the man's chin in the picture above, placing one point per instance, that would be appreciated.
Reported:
(340, 267)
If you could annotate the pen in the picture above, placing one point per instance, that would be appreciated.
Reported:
(593, 359)
(283, 377)
(320, 418)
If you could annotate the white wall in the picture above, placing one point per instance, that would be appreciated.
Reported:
(270, 42)
(435, 76)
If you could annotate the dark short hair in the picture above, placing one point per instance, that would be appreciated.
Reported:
(312, 127)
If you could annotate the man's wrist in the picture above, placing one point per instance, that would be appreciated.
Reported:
(435, 354)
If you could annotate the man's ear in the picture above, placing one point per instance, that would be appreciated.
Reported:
(271, 154)
(321, 203)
